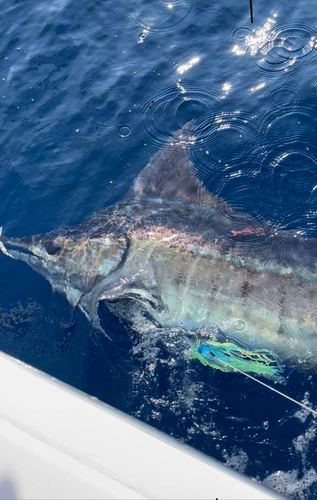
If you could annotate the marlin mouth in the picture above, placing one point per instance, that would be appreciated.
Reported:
(18, 248)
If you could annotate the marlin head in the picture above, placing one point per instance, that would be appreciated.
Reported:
(78, 261)
(75, 265)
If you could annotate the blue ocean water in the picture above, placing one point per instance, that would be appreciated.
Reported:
(89, 91)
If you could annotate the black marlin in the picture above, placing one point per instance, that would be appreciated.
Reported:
(191, 261)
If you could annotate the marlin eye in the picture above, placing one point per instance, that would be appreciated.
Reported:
(53, 248)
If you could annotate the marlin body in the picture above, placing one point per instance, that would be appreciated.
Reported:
(190, 260)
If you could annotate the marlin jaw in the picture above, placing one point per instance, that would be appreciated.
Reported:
(26, 250)
(28, 255)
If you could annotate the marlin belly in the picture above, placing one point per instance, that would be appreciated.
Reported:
(251, 305)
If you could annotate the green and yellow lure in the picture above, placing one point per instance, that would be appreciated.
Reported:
(228, 357)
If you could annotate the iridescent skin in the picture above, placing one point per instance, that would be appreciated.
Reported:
(189, 259)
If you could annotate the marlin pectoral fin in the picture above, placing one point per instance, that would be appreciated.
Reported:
(2, 247)
(89, 307)
(122, 286)
(145, 297)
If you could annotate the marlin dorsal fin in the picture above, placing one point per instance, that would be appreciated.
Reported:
(170, 173)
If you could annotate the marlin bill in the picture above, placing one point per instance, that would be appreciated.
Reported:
(246, 292)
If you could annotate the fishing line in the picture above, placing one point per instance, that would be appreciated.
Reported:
(275, 390)
(251, 11)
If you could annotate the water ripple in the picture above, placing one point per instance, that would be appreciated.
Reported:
(163, 17)
(123, 131)
(226, 138)
(211, 25)
(239, 34)
(276, 46)
(171, 107)
(288, 169)
(284, 98)
(227, 155)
